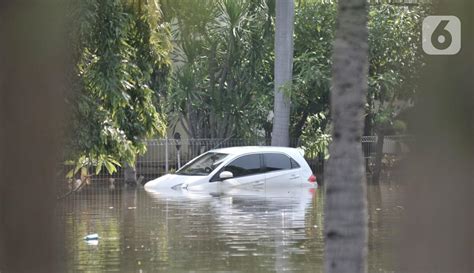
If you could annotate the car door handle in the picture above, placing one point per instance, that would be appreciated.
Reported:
(294, 177)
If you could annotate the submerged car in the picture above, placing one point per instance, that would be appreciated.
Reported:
(245, 168)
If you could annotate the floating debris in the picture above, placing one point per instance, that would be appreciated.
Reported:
(93, 236)
(92, 242)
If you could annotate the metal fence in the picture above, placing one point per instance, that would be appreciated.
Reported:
(167, 155)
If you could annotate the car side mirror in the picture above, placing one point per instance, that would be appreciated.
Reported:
(226, 175)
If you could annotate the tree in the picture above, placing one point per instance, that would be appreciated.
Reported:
(221, 61)
(346, 206)
(283, 71)
(120, 48)
(394, 59)
(314, 34)
(222, 66)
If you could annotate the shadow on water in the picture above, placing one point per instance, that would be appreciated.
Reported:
(265, 232)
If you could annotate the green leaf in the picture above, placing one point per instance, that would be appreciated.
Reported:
(70, 174)
(110, 167)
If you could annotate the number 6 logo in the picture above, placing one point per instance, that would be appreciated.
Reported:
(441, 35)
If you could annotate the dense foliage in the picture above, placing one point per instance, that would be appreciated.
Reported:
(121, 53)
(395, 59)
(314, 35)
(221, 85)
(224, 65)
(394, 56)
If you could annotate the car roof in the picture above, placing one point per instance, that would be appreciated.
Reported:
(257, 149)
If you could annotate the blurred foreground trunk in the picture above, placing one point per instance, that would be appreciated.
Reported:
(438, 234)
(345, 211)
(31, 113)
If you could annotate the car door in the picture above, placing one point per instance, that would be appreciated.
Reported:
(280, 171)
(247, 171)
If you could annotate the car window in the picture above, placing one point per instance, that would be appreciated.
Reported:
(203, 165)
(245, 165)
(294, 164)
(276, 162)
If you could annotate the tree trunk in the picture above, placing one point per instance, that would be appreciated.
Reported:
(298, 129)
(346, 205)
(32, 85)
(283, 70)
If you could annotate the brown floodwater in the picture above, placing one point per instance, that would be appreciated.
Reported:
(242, 232)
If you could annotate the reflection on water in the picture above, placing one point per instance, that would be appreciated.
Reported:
(268, 232)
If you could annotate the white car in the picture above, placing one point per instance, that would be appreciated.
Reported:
(243, 168)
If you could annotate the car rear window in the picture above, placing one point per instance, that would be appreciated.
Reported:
(294, 164)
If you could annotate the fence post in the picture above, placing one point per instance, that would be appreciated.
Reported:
(166, 155)
(130, 175)
(179, 159)
(378, 157)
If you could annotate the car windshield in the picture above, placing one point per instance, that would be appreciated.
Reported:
(203, 165)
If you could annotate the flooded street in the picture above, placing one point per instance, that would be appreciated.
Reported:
(241, 232)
